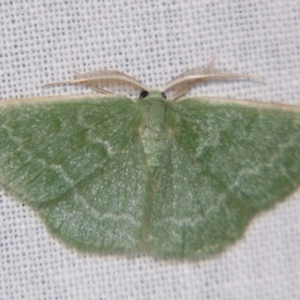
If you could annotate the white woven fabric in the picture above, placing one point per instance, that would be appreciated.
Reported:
(44, 41)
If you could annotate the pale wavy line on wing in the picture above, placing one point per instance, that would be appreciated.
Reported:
(97, 215)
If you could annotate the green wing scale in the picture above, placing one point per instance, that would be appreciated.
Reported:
(224, 163)
(71, 161)
(175, 179)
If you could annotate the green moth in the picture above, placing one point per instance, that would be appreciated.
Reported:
(171, 177)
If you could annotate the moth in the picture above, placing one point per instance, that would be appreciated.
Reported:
(164, 175)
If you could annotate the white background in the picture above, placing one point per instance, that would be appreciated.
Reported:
(44, 41)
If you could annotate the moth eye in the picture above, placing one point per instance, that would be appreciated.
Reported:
(144, 94)
(164, 95)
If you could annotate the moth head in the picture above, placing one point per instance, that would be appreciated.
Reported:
(144, 94)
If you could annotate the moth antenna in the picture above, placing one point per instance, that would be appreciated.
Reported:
(96, 79)
(97, 89)
(209, 73)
